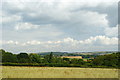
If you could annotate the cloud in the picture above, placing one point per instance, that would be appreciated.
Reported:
(49, 25)
(10, 18)
(112, 31)
(98, 43)
(103, 40)
(10, 42)
(25, 26)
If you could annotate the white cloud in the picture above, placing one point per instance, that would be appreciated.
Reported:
(90, 18)
(99, 40)
(10, 42)
(63, 24)
(98, 43)
(34, 42)
(25, 26)
(10, 18)
(111, 31)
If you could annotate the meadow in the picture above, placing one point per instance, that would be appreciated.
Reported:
(57, 72)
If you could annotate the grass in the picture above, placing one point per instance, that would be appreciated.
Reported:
(57, 72)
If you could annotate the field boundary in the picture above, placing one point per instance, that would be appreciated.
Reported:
(60, 78)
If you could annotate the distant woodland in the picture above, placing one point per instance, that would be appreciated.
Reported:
(51, 60)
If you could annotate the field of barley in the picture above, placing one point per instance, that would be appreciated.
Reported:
(57, 72)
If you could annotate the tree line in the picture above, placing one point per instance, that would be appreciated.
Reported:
(24, 59)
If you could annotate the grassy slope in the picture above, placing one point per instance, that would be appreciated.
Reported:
(57, 72)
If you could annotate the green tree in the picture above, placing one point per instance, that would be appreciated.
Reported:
(23, 58)
(74, 61)
(1, 52)
(9, 57)
(35, 58)
(51, 57)
(110, 60)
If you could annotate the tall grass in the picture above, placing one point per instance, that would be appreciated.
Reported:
(57, 72)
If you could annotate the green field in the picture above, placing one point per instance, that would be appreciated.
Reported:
(57, 72)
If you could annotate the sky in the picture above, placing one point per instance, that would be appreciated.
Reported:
(64, 25)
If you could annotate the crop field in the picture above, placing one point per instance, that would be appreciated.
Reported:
(57, 72)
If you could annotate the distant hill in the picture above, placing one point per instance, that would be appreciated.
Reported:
(96, 53)
(54, 53)
(77, 53)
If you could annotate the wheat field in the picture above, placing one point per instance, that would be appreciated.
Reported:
(57, 72)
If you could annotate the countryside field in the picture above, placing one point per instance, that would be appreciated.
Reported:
(57, 72)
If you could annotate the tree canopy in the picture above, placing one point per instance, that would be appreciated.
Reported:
(110, 60)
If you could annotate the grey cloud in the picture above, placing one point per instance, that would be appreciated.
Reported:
(111, 11)
(65, 20)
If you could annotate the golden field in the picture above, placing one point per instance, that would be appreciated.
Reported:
(57, 72)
